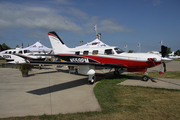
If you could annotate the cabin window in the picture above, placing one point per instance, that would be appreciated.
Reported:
(108, 51)
(6, 52)
(77, 53)
(10, 52)
(85, 52)
(20, 52)
(95, 52)
(14, 52)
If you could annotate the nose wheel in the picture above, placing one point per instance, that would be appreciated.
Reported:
(92, 80)
(145, 78)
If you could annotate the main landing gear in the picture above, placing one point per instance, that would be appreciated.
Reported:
(144, 78)
(118, 71)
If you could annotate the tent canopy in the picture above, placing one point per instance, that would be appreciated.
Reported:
(38, 47)
(94, 43)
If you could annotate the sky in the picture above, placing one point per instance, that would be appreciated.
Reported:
(120, 22)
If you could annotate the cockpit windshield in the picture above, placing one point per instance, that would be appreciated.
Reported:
(118, 50)
(27, 51)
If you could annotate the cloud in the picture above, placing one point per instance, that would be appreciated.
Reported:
(64, 2)
(77, 13)
(44, 17)
(31, 17)
(111, 26)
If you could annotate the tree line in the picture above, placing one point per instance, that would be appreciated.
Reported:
(6, 47)
(168, 51)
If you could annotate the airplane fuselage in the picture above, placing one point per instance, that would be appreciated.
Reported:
(135, 62)
(18, 55)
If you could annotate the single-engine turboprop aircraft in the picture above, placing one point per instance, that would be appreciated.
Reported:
(97, 54)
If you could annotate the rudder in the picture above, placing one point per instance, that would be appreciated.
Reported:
(56, 42)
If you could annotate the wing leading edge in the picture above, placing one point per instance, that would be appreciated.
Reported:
(76, 64)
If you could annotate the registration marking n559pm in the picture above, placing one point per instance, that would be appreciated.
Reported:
(81, 60)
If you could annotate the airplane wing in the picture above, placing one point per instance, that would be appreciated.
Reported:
(32, 57)
(76, 64)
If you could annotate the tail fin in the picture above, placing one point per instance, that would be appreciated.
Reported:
(1, 48)
(56, 42)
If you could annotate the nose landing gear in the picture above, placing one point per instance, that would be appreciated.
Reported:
(145, 77)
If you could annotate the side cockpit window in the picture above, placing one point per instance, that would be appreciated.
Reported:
(108, 52)
(20, 52)
(26, 51)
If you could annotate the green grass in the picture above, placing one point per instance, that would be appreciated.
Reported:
(1, 62)
(176, 59)
(173, 75)
(126, 102)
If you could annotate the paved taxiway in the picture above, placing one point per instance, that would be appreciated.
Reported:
(47, 91)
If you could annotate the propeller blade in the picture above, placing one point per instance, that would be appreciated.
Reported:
(163, 50)
(162, 69)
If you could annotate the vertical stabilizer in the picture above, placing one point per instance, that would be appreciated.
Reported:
(56, 42)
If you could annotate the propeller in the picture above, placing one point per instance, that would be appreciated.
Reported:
(164, 50)
(163, 68)
(164, 59)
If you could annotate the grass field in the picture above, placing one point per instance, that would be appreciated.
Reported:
(177, 59)
(1, 62)
(126, 102)
(173, 75)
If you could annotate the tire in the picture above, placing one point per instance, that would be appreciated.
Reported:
(145, 78)
(116, 72)
(92, 81)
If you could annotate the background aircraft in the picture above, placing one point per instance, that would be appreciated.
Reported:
(18, 55)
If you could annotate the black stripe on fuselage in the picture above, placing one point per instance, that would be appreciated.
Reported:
(76, 58)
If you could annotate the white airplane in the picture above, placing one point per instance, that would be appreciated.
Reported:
(173, 55)
(97, 54)
(18, 55)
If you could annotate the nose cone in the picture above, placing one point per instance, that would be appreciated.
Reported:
(166, 59)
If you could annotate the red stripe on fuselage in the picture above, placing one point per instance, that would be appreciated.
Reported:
(127, 63)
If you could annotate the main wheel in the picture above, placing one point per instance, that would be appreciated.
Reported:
(116, 72)
(145, 78)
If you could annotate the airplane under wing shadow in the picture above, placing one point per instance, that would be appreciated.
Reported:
(58, 87)
(66, 85)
